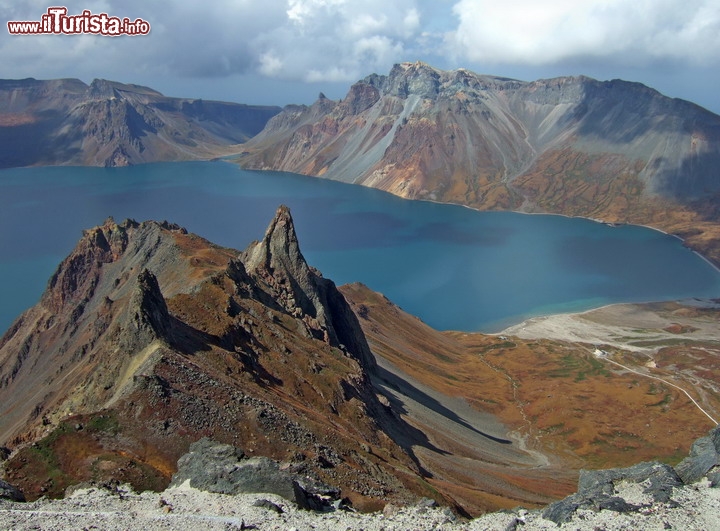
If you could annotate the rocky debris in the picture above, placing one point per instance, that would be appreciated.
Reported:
(8, 492)
(598, 490)
(270, 506)
(714, 478)
(645, 496)
(184, 508)
(704, 457)
(654, 483)
(224, 469)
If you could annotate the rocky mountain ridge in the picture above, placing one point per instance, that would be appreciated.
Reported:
(106, 123)
(490, 130)
(611, 150)
(148, 338)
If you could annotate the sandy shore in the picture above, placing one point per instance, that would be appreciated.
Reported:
(634, 327)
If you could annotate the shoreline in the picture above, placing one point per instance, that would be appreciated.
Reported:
(707, 302)
(639, 327)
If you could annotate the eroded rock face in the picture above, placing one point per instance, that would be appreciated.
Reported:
(115, 124)
(571, 145)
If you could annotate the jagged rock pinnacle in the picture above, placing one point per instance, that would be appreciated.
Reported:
(301, 290)
(149, 304)
(279, 248)
(146, 318)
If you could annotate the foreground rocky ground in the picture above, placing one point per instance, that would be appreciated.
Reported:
(698, 507)
(646, 496)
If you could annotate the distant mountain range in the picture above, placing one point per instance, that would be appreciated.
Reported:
(65, 121)
(485, 141)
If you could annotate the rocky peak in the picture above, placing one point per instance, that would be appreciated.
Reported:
(104, 89)
(148, 318)
(278, 263)
(361, 97)
(417, 79)
(279, 249)
(77, 275)
(101, 89)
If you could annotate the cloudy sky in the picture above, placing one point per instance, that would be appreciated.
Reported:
(287, 51)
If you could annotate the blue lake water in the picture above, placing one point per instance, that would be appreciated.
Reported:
(453, 267)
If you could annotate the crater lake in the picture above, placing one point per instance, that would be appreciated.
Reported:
(453, 267)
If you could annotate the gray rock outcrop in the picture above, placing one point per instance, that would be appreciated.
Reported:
(597, 490)
(224, 469)
(8, 492)
(704, 456)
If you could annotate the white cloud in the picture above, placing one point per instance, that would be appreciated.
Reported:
(411, 22)
(532, 32)
(340, 40)
(344, 40)
(270, 64)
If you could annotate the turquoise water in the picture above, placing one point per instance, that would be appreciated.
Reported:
(453, 267)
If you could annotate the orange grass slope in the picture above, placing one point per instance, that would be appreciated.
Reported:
(557, 397)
